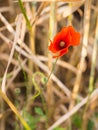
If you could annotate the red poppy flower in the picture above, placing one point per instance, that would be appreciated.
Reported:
(63, 40)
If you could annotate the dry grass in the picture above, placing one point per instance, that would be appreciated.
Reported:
(69, 100)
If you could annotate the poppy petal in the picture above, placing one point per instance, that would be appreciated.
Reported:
(64, 51)
(61, 53)
(75, 36)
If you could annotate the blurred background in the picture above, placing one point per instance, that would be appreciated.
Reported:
(26, 100)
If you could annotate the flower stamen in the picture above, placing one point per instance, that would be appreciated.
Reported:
(62, 44)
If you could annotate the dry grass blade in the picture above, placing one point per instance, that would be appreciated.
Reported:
(45, 68)
(68, 1)
(74, 110)
(17, 34)
(83, 52)
(94, 8)
(14, 110)
(61, 12)
(5, 57)
(52, 31)
(42, 6)
(15, 73)
(72, 8)
(60, 63)
(34, 58)
(8, 26)
(94, 58)
(4, 9)
(40, 86)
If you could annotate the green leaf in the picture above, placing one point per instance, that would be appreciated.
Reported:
(44, 80)
(77, 120)
(39, 111)
(96, 114)
(32, 121)
(59, 128)
(90, 125)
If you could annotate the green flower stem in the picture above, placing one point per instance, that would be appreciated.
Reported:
(25, 15)
(46, 110)
(13, 108)
(51, 71)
